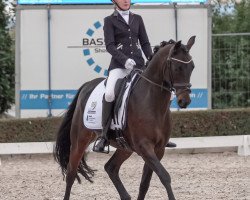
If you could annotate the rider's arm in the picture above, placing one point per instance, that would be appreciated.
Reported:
(109, 38)
(143, 38)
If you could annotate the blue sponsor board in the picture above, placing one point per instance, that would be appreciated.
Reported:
(38, 99)
(60, 99)
(32, 2)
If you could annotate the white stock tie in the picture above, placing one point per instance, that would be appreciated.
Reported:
(126, 12)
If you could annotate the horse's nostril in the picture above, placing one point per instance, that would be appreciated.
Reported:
(180, 103)
(183, 103)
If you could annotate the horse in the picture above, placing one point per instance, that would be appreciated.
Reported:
(148, 126)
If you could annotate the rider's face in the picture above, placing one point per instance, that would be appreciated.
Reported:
(123, 4)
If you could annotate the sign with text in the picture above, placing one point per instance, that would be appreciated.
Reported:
(78, 53)
(27, 2)
(38, 99)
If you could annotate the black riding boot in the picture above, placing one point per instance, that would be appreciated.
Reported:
(171, 145)
(106, 121)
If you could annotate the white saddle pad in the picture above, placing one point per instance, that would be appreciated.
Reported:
(92, 116)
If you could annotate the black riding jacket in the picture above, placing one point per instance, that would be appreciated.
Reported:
(122, 40)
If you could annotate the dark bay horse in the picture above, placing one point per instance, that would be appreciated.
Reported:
(148, 124)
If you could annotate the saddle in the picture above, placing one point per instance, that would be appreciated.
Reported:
(93, 109)
(122, 89)
(120, 92)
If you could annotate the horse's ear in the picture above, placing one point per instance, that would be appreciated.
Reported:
(177, 45)
(190, 42)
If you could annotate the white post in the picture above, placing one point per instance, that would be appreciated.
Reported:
(244, 149)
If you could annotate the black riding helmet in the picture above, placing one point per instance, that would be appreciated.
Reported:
(113, 1)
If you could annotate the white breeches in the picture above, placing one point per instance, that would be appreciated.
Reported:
(114, 75)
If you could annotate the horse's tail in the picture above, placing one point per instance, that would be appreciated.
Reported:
(63, 143)
(62, 146)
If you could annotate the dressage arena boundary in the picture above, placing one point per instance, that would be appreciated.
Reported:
(239, 143)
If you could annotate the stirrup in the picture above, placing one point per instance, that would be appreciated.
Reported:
(105, 148)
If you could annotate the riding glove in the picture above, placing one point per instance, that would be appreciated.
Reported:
(130, 63)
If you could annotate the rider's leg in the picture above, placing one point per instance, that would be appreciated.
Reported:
(107, 108)
(108, 102)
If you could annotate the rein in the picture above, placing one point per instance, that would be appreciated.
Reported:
(156, 84)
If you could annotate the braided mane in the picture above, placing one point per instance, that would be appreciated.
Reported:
(157, 48)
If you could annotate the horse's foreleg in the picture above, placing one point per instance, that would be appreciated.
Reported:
(151, 159)
(112, 168)
(145, 181)
(146, 178)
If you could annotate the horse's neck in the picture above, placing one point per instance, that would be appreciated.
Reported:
(154, 70)
(153, 97)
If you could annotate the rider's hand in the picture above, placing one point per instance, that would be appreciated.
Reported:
(130, 63)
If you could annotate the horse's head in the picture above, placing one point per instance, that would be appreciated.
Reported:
(178, 71)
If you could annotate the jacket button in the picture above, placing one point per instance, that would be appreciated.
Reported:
(131, 52)
(131, 45)
(129, 37)
(129, 29)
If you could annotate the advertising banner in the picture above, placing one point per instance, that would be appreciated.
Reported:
(38, 2)
(74, 45)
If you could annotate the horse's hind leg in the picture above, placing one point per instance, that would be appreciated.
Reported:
(80, 140)
(146, 178)
(76, 153)
(112, 168)
(74, 160)
(151, 159)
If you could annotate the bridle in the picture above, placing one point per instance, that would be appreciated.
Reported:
(183, 86)
(172, 86)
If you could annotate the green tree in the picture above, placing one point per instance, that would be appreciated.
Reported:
(230, 56)
(7, 69)
(242, 17)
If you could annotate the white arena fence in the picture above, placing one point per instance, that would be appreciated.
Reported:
(239, 143)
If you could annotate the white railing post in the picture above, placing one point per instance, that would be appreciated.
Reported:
(244, 149)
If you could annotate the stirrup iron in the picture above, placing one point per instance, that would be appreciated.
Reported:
(105, 148)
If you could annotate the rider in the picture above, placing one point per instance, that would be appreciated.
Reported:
(122, 31)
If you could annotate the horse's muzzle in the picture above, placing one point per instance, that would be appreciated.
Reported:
(184, 102)
(183, 98)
